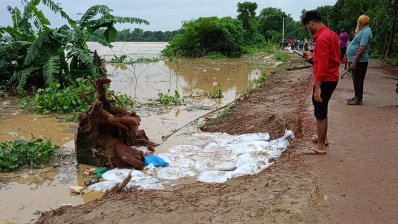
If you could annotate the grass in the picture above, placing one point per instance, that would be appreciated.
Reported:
(281, 56)
(265, 47)
(260, 80)
(393, 61)
(226, 111)
(217, 93)
(167, 99)
(214, 56)
(20, 152)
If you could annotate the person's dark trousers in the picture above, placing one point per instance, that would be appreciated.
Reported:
(358, 78)
(342, 53)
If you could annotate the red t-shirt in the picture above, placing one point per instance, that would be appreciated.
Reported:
(326, 55)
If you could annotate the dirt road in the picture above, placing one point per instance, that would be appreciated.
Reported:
(360, 173)
(354, 183)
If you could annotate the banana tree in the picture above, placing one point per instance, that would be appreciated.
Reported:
(43, 55)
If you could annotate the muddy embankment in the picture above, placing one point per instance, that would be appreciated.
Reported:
(281, 194)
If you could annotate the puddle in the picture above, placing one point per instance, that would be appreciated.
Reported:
(23, 194)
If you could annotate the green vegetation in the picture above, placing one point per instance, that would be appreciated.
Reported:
(207, 34)
(214, 56)
(20, 152)
(383, 22)
(227, 110)
(260, 80)
(35, 55)
(123, 59)
(72, 99)
(230, 37)
(139, 35)
(167, 99)
(281, 56)
(217, 93)
(393, 61)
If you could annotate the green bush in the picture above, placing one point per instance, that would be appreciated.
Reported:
(208, 34)
(20, 152)
(393, 61)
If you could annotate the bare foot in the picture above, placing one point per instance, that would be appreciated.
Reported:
(314, 152)
(314, 139)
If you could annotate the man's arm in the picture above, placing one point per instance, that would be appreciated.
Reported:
(358, 56)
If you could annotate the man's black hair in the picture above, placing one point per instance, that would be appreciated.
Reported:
(311, 15)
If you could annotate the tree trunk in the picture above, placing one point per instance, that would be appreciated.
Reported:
(391, 39)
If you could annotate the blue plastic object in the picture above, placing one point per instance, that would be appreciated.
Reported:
(155, 160)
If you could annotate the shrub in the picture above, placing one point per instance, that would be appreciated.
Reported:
(208, 34)
(20, 152)
(69, 99)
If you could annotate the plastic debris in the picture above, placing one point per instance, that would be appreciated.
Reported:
(99, 171)
(155, 160)
(76, 189)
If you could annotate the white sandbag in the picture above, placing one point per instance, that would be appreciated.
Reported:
(225, 166)
(173, 173)
(254, 137)
(157, 186)
(183, 163)
(116, 174)
(249, 147)
(185, 149)
(214, 176)
(102, 186)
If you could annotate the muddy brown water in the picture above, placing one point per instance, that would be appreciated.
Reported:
(24, 193)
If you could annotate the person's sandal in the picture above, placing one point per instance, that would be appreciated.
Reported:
(354, 102)
(314, 140)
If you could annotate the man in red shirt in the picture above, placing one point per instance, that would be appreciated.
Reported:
(326, 63)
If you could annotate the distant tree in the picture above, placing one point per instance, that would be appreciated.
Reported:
(208, 35)
(247, 14)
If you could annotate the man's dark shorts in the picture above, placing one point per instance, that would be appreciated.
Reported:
(321, 109)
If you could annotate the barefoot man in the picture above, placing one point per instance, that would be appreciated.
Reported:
(326, 62)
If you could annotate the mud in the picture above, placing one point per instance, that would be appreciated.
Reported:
(282, 194)
(353, 183)
(195, 79)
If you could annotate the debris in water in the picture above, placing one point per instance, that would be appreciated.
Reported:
(108, 134)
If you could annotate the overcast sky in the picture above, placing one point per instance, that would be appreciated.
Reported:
(166, 14)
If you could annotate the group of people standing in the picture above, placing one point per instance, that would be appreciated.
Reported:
(329, 50)
(301, 45)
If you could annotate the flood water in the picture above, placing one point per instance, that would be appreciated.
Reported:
(24, 193)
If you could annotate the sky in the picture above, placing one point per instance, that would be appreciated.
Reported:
(165, 15)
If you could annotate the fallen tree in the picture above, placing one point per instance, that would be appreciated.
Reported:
(108, 135)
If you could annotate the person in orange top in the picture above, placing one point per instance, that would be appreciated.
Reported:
(326, 63)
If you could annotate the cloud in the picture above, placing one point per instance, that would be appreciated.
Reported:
(166, 15)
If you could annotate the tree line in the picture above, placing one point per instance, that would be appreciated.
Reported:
(231, 36)
(383, 22)
(139, 35)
